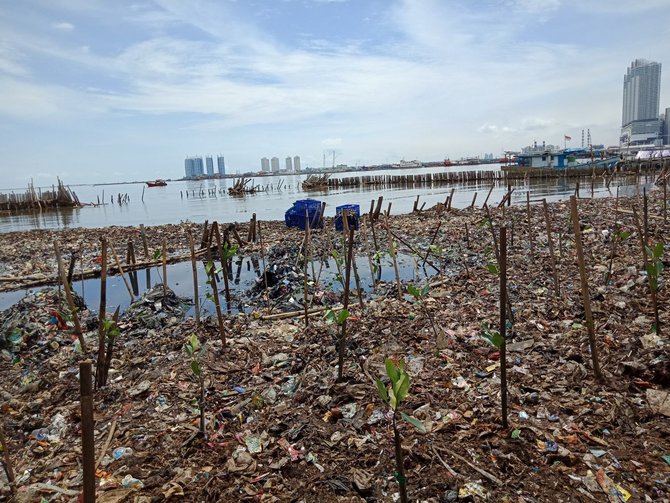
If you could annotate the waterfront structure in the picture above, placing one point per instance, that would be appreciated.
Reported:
(274, 163)
(221, 165)
(296, 163)
(265, 165)
(640, 122)
(289, 164)
(210, 165)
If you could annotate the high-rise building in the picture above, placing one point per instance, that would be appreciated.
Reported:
(193, 167)
(641, 99)
(265, 164)
(289, 164)
(274, 163)
(210, 165)
(296, 163)
(221, 165)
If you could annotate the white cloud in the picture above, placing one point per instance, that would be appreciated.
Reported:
(63, 26)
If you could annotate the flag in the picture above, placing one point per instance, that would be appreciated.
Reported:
(568, 138)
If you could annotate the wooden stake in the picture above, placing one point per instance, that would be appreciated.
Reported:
(120, 267)
(647, 266)
(304, 255)
(585, 289)
(550, 242)
(70, 300)
(194, 268)
(343, 332)
(503, 324)
(215, 292)
(394, 256)
(488, 195)
(6, 461)
(530, 227)
(102, 314)
(164, 259)
(645, 214)
(87, 433)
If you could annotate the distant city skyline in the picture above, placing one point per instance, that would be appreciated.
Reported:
(99, 91)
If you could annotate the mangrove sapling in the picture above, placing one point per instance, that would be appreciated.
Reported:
(393, 397)
(193, 349)
(419, 296)
(653, 264)
(111, 333)
(343, 330)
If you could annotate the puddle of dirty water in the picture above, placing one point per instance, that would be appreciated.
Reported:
(244, 274)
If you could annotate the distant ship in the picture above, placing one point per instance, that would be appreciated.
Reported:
(157, 183)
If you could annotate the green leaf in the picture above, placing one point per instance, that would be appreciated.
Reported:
(393, 403)
(188, 349)
(425, 290)
(194, 342)
(342, 316)
(515, 434)
(329, 316)
(391, 370)
(209, 266)
(414, 422)
(658, 250)
(403, 387)
(413, 291)
(492, 268)
(157, 254)
(381, 389)
(623, 235)
(195, 367)
(493, 338)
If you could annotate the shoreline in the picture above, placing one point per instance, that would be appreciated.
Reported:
(280, 426)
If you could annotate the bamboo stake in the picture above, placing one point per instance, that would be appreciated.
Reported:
(394, 256)
(70, 300)
(6, 461)
(194, 268)
(164, 259)
(212, 281)
(305, 248)
(647, 266)
(530, 227)
(366, 248)
(645, 214)
(87, 433)
(585, 289)
(550, 242)
(503, 324)
(102, 314)
(488, 195)
(343, 332)
(224, 262)
(120, 267)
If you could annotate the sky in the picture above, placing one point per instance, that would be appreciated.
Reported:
(100, 91)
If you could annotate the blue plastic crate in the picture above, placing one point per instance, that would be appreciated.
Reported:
(295, 216)
(353, 216)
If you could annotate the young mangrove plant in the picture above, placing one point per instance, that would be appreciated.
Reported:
(393, 397)
(341, 320)
(419, 296)
(193, 349)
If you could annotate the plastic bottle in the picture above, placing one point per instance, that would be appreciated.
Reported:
(119, 452)
(130, 482)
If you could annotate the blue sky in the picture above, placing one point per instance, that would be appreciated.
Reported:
(99, 91)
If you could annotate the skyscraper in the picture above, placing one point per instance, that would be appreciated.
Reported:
(221, 165)
(641, 99)
(296, 163)
(289, 164)
(274, 162)
(193, 167)
(265, 164)
(210, 165)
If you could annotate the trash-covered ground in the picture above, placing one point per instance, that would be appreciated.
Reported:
(279, 427)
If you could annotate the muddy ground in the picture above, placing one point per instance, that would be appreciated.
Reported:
(280, 427)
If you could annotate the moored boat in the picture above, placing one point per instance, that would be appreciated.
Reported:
(157, 183)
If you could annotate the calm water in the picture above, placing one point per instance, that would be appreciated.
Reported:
(169, 204)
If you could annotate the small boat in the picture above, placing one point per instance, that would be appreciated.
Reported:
(560, 161)
(157, 183)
